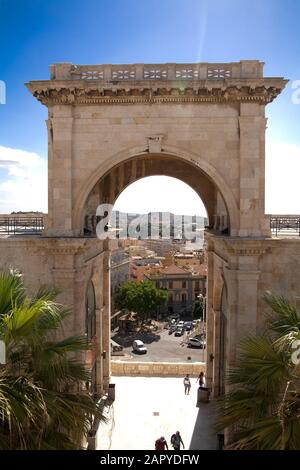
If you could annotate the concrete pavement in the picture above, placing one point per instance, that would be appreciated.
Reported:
(146, 408)
(161, 347)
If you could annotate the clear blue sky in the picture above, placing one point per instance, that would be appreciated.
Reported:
(36, 33)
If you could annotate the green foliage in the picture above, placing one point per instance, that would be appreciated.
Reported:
(198, 310)
(261, 408)
(140, 297)
(42, 401)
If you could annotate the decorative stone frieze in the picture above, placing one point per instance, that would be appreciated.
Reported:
(261, 91)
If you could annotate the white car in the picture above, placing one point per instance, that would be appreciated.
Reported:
(196, 343)
(180, 323)
(139, 347)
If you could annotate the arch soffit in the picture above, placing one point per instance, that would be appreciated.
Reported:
(189, 157)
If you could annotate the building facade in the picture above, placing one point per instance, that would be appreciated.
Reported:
(119, 272)
(183, 286)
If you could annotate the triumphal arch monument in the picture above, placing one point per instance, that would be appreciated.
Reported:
(203, 123)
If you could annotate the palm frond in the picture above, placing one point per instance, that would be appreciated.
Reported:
(12, 291)
(42, 401)
(284, 317)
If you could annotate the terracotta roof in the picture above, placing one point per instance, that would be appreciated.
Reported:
(173, 269)
(202, 269)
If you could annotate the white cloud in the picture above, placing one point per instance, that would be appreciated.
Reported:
(24, 186)
(282, 178)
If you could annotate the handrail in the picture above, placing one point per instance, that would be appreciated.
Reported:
(14, 225)
(285, 225)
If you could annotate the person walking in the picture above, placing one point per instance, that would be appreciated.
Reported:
(161, 444)
(201, 379)
(176, 441)
(187, 384)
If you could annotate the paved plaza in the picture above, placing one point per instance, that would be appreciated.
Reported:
(147, 408)
(161, 347)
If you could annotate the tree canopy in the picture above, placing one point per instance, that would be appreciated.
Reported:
(141, 297)
(198, 309)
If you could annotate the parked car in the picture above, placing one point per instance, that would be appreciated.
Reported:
(188, 325)
(175, 316)
(196, 343)
(139, 347)
(115, 346)
(179, 331)
(116, 349)
(172, 329)
(180, 323)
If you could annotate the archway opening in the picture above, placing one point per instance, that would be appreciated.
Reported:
(219, 204)
(162, 221)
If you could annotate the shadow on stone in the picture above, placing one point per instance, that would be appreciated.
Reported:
(204, 436)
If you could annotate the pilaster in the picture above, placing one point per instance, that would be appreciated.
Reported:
(252, 124)
(60, 127)
(106, 320)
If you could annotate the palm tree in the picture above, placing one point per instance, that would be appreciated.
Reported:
(261, 409)
(43, 404)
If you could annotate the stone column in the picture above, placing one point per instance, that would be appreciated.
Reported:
(106, 319)
(252, 124)
(242, 287)
(209, 317)
(60, 126)
(216, 349)
(98, 352)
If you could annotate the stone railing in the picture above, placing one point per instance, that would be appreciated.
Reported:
(171, 71)
(21, 225)
(156, 369)
(285, 225)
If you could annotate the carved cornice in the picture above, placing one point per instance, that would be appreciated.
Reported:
(246, 247)
(261, 91)
(63, 250)
(248, 251)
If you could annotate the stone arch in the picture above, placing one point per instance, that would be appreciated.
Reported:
(192, 161)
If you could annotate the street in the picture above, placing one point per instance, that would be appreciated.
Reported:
(161, 347)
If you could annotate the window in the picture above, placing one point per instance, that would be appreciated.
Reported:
(170, 298)
(157, 284)
(183, 298)
(170, 284)
(90, 312)
(197, 285)
(183, 284)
